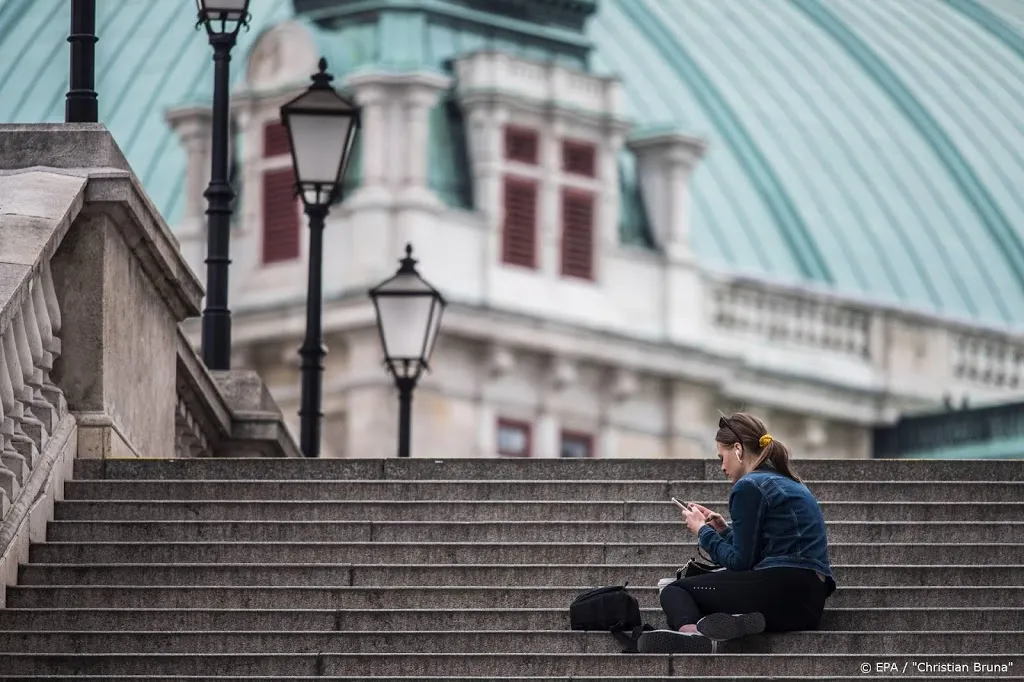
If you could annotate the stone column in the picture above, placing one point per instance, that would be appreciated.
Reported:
(665, 162)
(193, 128)
(372, 95)
(418, 93)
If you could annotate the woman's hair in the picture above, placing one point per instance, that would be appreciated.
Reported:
(748, 431)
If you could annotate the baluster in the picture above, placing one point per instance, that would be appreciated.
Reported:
(861, 334)
(987, 361)
(51, 344)
(30, 423)
(9, 483)
(52, 394)
(33, 338)
(24, 423)
(13, 443)
(831, 319)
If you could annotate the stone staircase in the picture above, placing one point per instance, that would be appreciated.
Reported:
(463, 569)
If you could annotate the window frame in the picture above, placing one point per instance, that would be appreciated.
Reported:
(525, 426)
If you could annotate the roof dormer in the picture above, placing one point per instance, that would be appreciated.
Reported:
(544, 140)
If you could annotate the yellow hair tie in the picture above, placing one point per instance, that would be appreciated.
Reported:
(765, 439)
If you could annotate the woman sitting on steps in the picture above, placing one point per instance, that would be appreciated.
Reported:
(775, 552)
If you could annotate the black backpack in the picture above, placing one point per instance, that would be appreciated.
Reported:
(612, 609)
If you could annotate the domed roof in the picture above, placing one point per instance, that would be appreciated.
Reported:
(876, 148)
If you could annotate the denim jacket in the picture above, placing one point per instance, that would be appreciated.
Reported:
(776, 522)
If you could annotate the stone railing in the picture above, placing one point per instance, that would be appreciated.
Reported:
(477, 72)
(225, 413)
(93, 288)
(925, 356)
(782, 317)
(995, 360)
(31, 406)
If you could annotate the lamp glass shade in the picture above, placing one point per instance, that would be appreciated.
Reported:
(321, 125)
(409, 317)
(223, 10)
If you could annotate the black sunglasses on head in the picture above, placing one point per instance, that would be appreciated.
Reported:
(723, 423)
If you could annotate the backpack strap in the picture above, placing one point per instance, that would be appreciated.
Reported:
(629, 638)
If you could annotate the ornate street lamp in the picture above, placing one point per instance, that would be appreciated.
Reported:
(322, 127)
(408, 318)
(222, 19)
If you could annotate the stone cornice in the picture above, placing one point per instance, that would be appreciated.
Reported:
(551, 110)
(88, 150)
(733, 374)
(120, 195)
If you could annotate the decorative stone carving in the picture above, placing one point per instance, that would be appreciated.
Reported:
(563, 373)
(284, 55)
(502, 361)
(625, 384)
(265, 63)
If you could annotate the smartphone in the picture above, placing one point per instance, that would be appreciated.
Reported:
(681, 505)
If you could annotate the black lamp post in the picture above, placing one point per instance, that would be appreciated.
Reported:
(408, 318)
(81, 105)
(222, 19)
(322, 127)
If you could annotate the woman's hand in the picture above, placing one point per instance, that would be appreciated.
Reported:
(716, 520)
(694, 519)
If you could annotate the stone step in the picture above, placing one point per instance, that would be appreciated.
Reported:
(493, 641)
(353, 510)
(468, 574)
(536, 469)
(489, 678)
(419, 678)
(489, 531)
(872, 491)
(446, 597)
(478, 553)
(494, 665)
(178, 620)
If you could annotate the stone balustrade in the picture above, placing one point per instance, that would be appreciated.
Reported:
(991, 361)
(189, 439)
(31, 406)
(93, 288)
(929, 355)
(784, 318)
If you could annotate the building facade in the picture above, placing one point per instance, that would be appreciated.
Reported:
(642, 212)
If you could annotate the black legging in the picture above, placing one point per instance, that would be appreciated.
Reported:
(789, 598)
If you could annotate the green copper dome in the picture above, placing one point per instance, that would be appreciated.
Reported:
(876, 148)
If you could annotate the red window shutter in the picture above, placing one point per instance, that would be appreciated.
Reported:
(577, 234)
(275, 140)
(519, 235)
(514, 438)
(576, 445)
(280, 216)
(578, 158)
(521, 144)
